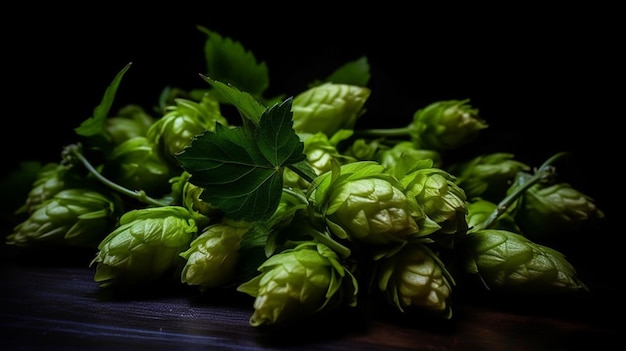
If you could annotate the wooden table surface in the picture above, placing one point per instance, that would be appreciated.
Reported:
(54, 304)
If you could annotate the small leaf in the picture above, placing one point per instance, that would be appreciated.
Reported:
(95, 125)
(230, 62)
(247, 105)
(276, 137)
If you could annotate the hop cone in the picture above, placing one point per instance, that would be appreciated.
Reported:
(367, 206)
(554, 209)
(177, 128)
(445, 125)
(297, 283)
(72, 217)
(131, 121)
(212, 256)
(508, 261)
(442, 200)
(51, 179)
(415, 279)
(488, 176)
(137, 165)
(145, 245)
(329, 107)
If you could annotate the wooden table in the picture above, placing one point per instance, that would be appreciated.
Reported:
(54, 304)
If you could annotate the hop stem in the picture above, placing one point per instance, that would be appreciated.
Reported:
(545, 171)
(74, 150)
(389, 132)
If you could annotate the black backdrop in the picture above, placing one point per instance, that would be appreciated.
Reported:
(545, 79)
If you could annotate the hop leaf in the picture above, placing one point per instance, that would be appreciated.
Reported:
(242, 173)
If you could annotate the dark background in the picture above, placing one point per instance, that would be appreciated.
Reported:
(545, 79)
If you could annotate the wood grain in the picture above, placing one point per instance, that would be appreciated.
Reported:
(58, 306)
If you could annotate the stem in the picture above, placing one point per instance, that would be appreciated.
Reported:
(140, 195)
(543, 172)
(302, 174)
(390, 132)
(341, 250)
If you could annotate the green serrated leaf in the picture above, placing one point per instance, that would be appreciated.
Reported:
(247, 105)
(235, 175)
(228, 61)
(95, 125)
(240, 171)
(276, 138)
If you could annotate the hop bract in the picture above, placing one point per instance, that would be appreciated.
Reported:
(212, 256)
(404, 156)
(328, 108)
(298, 283)
(508, 261)
(415, 279)
(145, 245)
(445, 125)
(72, 217)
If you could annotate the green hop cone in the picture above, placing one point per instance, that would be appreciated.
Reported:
(441, 199)
(131, 121)
(177, 128)
(145, 246)
(365, 205)
(329, 107)
(297, 283)
(546, 210)
(52, 178)
(507, 261)
(415, 279)
(488, 176)
(445, 125)
(137, 165)
(72, 217)
(212, 256)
